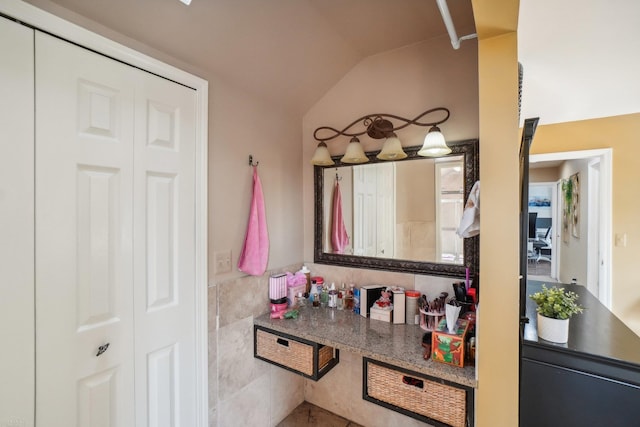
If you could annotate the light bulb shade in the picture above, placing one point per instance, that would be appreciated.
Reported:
(321, 156)
(391, 149)
(434, 144)
(355, 152)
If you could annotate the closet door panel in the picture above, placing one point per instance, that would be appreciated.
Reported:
(164, 244)
(16, 225)
(84, 273)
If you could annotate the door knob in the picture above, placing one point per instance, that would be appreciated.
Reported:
(102, 349)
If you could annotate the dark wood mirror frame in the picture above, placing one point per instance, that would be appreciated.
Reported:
(467, 148)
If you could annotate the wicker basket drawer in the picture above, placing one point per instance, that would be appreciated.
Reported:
(416, 395)
(295, 354)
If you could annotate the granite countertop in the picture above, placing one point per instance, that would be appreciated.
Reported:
(396, 344)
(595, 333)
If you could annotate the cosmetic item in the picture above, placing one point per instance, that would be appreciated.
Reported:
(411, 298)
(277, 286)
(292, 292)
(318, 281)
(314, 296)
(278, 305)
(356, 300)
(301, 301)
(348, 298)
(304, 270)
(399, 305)
(333, 296)
(324, 297)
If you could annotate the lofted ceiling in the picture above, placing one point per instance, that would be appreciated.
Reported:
(289, 52)
(580, 58)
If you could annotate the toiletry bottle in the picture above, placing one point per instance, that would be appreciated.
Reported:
(314, 296)
(333, 296)
(307, 273)
(356, 300)
(348, 298)
(324, 297)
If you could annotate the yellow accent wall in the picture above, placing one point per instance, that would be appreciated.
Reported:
(622, 135)
(497, 333)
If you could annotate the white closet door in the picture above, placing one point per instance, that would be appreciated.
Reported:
(84, 205)
(164, 244)
(16, 225)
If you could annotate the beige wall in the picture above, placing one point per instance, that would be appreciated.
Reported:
(573, 251)
(544, 174)
(621, 134)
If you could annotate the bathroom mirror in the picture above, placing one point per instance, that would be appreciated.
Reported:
(401, 215)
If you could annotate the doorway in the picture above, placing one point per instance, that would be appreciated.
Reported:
(581, 255)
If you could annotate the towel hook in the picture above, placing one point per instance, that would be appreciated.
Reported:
(338, 177)
(251, 161)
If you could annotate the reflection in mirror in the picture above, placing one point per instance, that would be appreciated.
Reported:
(399, 210)
(401, 215)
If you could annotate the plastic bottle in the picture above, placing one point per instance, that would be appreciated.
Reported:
(356, 301)
(314, 296)
(333, 296)
(348, 299)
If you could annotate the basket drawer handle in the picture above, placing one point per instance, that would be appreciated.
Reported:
(413, 381)
(283, 342)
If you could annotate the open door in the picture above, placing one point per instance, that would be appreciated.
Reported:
(528, 131)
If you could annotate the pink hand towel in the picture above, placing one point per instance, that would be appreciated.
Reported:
(339, 237)
(255, 251)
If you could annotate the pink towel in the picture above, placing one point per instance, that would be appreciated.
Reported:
(255, 251)
(339, 237)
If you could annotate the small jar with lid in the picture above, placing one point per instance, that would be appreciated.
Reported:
(301, 301)
(412, 307)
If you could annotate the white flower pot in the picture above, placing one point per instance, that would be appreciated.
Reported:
(554, 330)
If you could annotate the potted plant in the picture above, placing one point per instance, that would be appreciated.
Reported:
(555, 308)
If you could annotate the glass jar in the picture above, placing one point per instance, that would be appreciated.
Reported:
(301, 301)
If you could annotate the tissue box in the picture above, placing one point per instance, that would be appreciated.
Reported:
(449, 348)
(377, 313)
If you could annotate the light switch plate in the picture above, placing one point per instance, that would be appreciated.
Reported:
(621, 239)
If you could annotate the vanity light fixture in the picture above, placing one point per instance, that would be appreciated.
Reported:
(379, 126)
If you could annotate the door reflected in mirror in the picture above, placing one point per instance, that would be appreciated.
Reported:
(399, 210)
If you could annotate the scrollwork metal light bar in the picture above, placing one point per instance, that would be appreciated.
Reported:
(379, 126)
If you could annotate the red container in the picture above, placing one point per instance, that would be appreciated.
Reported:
(278, 305)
